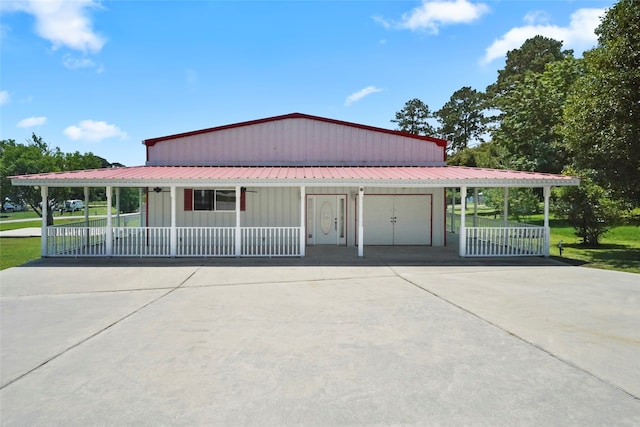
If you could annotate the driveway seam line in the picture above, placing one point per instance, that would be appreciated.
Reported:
(553, 355)
(284, 282)
(95, 334)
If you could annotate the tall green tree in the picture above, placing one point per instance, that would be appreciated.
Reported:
(602, 116)
(589, 208)
(533, 56)
(485, 155)
(36, 156)
(414, 118)
(533, 115)
(461, 119)
(33, 157)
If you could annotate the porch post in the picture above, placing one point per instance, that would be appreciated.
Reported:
(173, 236)
(547, 230)
(86, 217)
(117, 206)
(86, 206)
(238, 237)
(303, 223)
(140, 206)
(109, 191)
(475, 206)
(360, 222)
(463, 227)
(453, 209)
(505, 206)
(44, 246)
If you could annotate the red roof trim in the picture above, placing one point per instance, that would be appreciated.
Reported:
(152, 141)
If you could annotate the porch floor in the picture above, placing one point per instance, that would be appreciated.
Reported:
(328, 255)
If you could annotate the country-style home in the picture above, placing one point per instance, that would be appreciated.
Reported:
(272, 187)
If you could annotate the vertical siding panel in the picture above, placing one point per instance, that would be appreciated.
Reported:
(362, 149)
(300, 141)
(250, 143)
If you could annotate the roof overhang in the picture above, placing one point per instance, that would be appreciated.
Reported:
(374, 176)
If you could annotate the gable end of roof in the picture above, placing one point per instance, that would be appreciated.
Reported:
(153, 141)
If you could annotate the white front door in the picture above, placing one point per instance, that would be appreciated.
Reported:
(326, 220)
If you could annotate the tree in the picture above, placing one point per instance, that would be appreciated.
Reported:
(533, 115)
(18, 159)
(461, 118)
(602, 116)
(414, 118)
(129, 200)
(589, 209)
(534, 54)
(522, 203)
(36, 156)
(485, 155)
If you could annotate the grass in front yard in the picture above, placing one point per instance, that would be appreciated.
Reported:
(17, 251)
(619, 248)
(94, 209)
(35, 223)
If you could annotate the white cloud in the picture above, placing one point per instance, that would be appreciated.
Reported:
(536, 17)
(91, 130)
(74, 63)
(62, 22)
(4, 97)
(31, 122)
(357, 96)
(431, 15)
(579, 35)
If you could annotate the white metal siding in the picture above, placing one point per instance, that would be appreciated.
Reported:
(295, 142)
(280, 207)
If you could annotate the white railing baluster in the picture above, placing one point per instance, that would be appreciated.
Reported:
(505, 241)
(192, 241)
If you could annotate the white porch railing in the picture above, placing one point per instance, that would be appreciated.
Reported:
(506, 241)
(206, 241)
(270, 241)
(480, 221)
(82, 241)
(141, 241)
(76, 241)
(86, 238)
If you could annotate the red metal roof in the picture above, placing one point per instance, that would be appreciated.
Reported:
(148, 175)
(152, 141)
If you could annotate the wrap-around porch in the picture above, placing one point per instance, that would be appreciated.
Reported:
(114, 237)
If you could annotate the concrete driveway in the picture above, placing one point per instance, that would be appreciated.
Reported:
(298, 342)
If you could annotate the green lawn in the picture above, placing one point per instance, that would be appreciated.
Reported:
(17, 251)
(619, 249)
(36, 223)
(94, 209)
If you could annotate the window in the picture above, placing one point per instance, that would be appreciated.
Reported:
(225, 200)
(211, 200)
(203, 200)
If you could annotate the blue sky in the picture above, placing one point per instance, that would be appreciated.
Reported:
(101, 76)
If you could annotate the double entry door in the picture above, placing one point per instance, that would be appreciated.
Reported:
(397, 219)
(326, 216)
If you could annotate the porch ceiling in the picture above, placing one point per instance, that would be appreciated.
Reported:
(207, 176)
